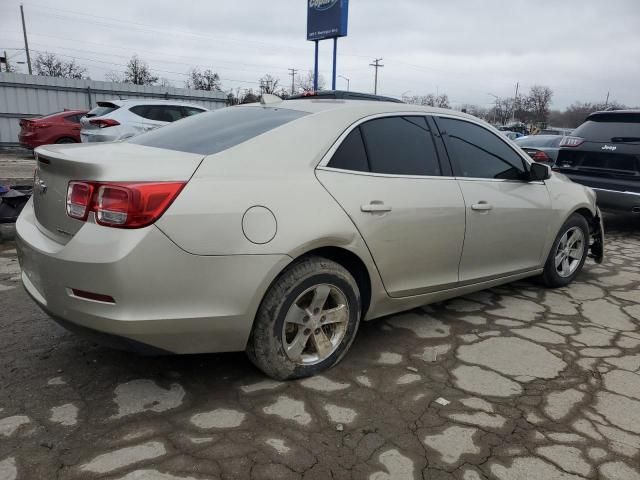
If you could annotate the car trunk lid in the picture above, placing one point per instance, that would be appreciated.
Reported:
(118, 162)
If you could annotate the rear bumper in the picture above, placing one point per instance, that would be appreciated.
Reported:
(624, 201)
(166, 300)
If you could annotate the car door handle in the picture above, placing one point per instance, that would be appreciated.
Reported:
(481, 206)
(375, 207)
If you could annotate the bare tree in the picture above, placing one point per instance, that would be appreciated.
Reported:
(539, 101)
(269, 84)
(115, 77)
(165, 82)
(207, 80)
(305, 82)
(576, 113)
(431, 100)
(138, 72)
(50, 65)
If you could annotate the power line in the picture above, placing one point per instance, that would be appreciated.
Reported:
(376, 64)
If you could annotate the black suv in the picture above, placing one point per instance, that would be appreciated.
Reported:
(604, 154)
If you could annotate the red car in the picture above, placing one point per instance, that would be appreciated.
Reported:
(60, 127)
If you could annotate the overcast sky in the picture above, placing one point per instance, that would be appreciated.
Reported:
(467, 49)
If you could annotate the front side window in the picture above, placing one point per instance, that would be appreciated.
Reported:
(478, 153)
(390, 145)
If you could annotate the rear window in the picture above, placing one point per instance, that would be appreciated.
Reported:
(213, 132)
(611, 127)
(103, 108)
(539, 141)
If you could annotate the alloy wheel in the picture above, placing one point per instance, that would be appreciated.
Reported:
(315, 324)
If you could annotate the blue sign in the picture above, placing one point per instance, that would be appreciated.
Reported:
(327, 19)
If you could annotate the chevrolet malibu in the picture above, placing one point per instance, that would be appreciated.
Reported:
(275, 228)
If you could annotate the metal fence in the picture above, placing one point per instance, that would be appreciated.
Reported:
(24, 96)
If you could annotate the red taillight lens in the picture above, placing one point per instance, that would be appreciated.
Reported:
(123, 205)
(540, 156)
(79, 196)
(571, 141)
(104, 122)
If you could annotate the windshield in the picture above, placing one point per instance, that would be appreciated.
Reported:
(213, 132)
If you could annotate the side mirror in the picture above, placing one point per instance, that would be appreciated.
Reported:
(539, 172)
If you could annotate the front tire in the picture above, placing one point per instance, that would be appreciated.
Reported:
(307, 320)
(568, 253)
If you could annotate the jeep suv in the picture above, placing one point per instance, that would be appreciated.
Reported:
(604, 154)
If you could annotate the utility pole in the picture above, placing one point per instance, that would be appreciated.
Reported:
(606, 103)
(26, 43)
(376, 64)
(515, 103)
(293, 79)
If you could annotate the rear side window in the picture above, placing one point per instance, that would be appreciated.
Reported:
(158, 113)
(351, 154)
(213, 132)
(103, 108)
(478, 153)
(614, 128)
(390, 145)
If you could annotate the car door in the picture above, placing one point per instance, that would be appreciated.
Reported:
(507, 216)
(387, 176)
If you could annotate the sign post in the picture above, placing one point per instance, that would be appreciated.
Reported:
(326, 19)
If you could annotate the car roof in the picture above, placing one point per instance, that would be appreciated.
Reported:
(128, 102)
(360, 108)
(613, 113)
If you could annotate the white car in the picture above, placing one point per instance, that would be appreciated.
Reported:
(120, 119)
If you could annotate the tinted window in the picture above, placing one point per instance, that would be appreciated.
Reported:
(188, 111)
(103, 108)
(401, 146)
(611, 128)
(213, 132)
(479, 153)
(159, 113)
(351, 154)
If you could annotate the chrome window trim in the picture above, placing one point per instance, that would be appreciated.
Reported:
(384, 175)
(626, 192)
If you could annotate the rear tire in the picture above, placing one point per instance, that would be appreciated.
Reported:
(568, 253)
(306, 321)
(66, 140)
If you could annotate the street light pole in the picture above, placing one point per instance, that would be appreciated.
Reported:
(348, 81)
(495, 110)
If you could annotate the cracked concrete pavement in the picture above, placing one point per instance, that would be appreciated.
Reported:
(516, 382)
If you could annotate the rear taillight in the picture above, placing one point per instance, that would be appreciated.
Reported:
(104, 122)
(79, 196)
(122, 204)
(571, 141)
(540, 156)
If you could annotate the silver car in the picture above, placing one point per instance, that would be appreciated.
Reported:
(275, 228)
(121, 119)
